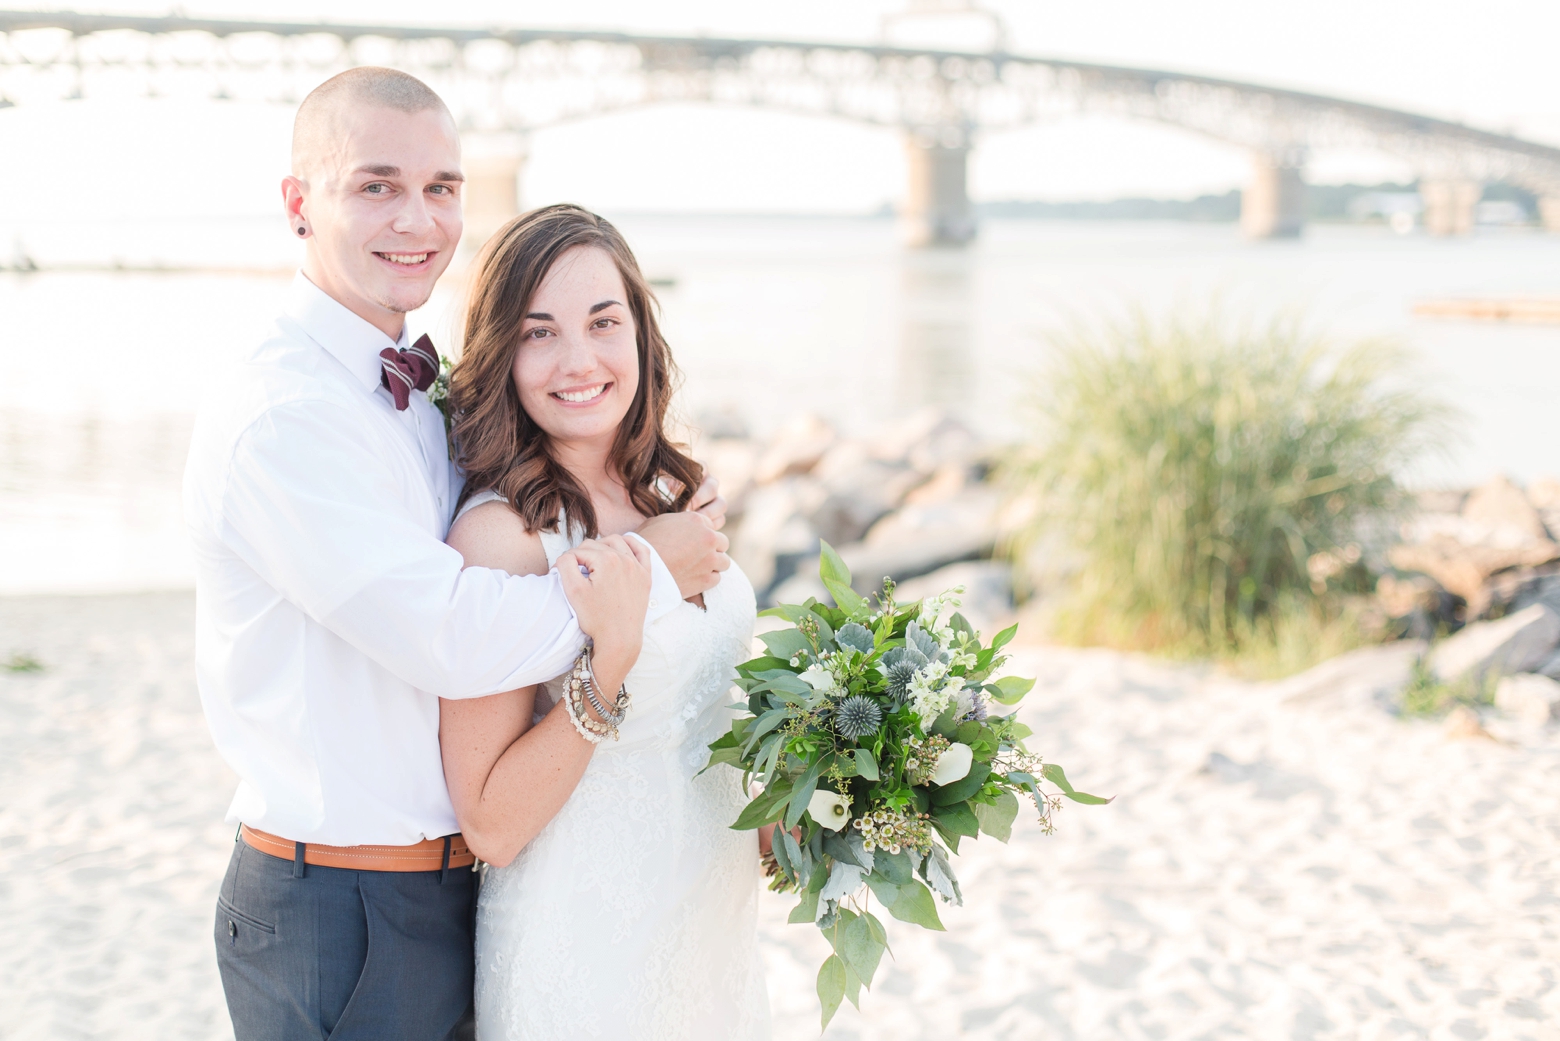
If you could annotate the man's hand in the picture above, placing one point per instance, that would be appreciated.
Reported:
(693, 551)
(709, 502)
(610, 598)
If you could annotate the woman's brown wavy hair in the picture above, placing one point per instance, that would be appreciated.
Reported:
(499, 446)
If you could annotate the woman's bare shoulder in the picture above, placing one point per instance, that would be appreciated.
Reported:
(493, 535)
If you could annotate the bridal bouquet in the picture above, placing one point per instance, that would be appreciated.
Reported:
(873, 731)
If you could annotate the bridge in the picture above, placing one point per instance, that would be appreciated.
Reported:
(503, 84)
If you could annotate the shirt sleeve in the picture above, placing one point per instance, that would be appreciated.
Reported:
(315, 508)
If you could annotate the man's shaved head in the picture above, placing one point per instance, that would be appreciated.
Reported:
(317, 123)
(375, 192)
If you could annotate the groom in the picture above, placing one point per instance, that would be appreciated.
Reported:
(331, 617)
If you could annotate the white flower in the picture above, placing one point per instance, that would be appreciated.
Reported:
(963, 702)
(819, 678)
(831, 809)
(927, 694)
(952, 765)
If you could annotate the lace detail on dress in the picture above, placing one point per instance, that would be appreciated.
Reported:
(632, 915)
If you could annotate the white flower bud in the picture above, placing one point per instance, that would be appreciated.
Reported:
(830, 809)
(953, 765)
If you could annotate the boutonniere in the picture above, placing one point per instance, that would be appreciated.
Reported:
(439, 398)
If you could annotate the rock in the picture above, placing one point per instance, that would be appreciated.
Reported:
(733, 461)
(1462, 568)
(1503, 506)
(987, 600)
(1497, 528)
(1533, 699)
(1516, 643)
(918, 539)
(1544, 494)
(927, 440)
(1366, 676)
(1417, 605)
(726, 423)
(795, 449)
(1462, 723)
(775, 534)
(1550, 666)
(861, 490)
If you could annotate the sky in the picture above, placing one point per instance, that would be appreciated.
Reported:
(1492, 65)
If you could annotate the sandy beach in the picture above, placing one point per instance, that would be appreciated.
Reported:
(1282, 860)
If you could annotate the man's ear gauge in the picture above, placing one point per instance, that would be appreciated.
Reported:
(300, 230)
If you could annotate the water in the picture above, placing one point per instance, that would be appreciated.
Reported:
(767, 317)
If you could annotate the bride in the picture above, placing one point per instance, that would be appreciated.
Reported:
(616, 902)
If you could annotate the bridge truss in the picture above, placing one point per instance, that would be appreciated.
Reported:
(514, 81)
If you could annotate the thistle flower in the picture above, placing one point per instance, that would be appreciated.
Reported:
(857, 717)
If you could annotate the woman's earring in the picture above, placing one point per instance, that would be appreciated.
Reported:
(300, 231)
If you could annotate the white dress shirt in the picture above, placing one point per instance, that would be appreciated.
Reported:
(330, 615)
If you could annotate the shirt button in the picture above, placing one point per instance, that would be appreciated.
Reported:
(652, 603)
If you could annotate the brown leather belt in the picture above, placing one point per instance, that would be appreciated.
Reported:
(428, 855)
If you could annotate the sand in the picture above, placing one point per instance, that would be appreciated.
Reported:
(1281, 861)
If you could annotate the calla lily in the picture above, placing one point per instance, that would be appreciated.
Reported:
(952, 765)
(830, 809)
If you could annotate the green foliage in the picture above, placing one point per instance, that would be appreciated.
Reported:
(1196, 470)
(20, 662)
(825, 733)
(1426, 695)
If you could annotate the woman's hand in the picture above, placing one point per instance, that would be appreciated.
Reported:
(610, 597)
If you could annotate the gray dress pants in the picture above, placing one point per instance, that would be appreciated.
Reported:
(345, 955)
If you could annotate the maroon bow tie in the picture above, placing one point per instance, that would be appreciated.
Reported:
(413, 368)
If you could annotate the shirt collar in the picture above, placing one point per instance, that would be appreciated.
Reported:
(348, 338)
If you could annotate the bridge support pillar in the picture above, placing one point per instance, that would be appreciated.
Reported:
(492, 190)
(1549, 212)
(1273, 204)
(937, 206)
(1449, 206)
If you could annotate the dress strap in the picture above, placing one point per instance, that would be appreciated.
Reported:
(556, 543)
(485, 496)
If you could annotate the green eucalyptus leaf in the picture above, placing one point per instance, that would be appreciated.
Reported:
(830, 567)
(783, 643)
(840, 849)
(764, 809)
(866, 763)
(996, 818)
(963, 788)
(886, 891)
(944, 725)
(1005, 637)
(1056, 776)
(801, 863)
(1009, 689)
(968, 732)
(831, 987)
(767, 722)
(804, 790)
(861, 950)
(806, 912)
(783, 680)
(730, 756)
(894, 867)
(1087, 799)
(914, 904)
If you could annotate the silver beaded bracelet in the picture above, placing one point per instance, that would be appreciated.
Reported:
(582, 686)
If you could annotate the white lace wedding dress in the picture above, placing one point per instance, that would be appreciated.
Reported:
(633, 914)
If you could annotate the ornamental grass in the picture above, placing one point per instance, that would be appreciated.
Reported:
(1213, 482)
